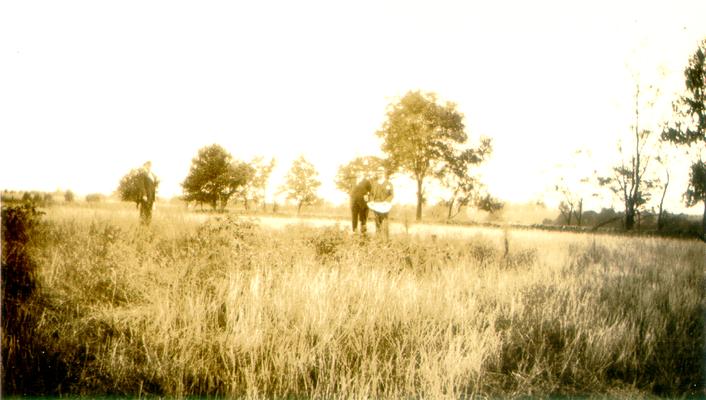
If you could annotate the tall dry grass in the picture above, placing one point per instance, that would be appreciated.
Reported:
(225, 307)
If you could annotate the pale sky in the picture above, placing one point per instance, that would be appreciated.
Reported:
(91, 89)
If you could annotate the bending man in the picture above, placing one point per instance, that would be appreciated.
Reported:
(382, 194)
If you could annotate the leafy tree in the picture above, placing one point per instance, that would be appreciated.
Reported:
(301, 183)
(697, 185)
(131, 188)
(360, 167)
(69, 196)
(489, 204)
(214, 177)
(262, 178)
(454, 174)
(689, 126)
(419, 134)
(256, 187)
(140, 186)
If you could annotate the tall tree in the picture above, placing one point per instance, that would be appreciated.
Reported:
(418, 134)
(215, 176)
(628, 180)
(357, 169)
(455, 174)
(689, 126)
(302, 183)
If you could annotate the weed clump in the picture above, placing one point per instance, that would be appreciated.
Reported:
(327, 242)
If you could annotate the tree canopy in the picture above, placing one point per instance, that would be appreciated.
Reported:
(215, 176)
(255, 188)
(455, 174)
(357, 169)
(131, 188)
(302, 183)
(689, 125)
(419, 135)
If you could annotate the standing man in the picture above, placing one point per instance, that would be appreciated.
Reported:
(359, 205)
(147, 186)
(382, 194)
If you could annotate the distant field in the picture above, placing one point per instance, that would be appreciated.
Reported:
(219, 305)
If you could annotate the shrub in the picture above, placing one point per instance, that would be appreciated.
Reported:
(94, 198)
(28, 368)
(69, 196)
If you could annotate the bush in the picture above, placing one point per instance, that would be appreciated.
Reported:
(94, 198)
(69, 196)
(28, 367)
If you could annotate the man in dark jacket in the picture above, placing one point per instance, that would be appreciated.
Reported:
(359, 205)
(147, 186)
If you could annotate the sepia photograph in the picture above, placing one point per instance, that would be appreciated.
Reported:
(373, 199)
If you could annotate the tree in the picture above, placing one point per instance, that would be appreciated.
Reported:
(571, 205)
(301, 183)
(130, 186)
(360, 167)
(418, 134)
(663, 161)
(697, 185)
(140, 186)
(255, 188)
(69, 196)
(214, 177)
(689, 126)
(628, 180)
(489, 204)
(454, 174)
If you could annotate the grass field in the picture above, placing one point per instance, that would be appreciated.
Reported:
(221, 306)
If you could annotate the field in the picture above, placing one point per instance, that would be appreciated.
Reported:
(228, 306)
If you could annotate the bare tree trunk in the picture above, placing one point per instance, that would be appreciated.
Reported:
(579, 214)
(660, 216)
(451, 206)
(629, 214)
(299, 207)
(629, 220)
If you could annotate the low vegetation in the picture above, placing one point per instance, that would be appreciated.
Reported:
(228, 307)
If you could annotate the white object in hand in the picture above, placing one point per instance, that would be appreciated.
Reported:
(380, 206)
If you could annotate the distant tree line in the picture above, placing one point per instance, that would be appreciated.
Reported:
(427, 141)
(37, 198)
